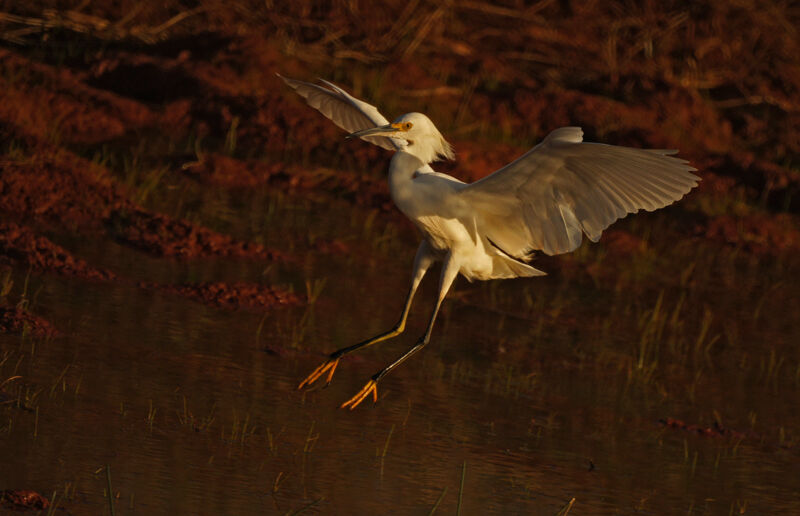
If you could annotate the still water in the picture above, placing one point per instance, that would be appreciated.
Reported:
(195, 409)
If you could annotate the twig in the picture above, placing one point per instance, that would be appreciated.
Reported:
(489, 8)
(8, 380)
(85, 23)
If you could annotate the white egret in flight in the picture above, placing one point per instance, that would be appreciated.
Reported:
(545, 200)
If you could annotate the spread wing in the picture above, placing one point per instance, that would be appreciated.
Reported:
(343, 109)
(562, 188)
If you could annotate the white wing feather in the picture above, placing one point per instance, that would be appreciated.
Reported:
(347, 112)
(546, 199)
(343, 109)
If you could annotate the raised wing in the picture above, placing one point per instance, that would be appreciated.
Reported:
(546, 199)
(343, 109)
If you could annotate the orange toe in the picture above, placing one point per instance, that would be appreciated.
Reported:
(370, 388)
(316, 374)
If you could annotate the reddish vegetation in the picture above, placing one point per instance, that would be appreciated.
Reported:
(328, 246)
(757, 233)
(58, 188)
(52, 185)
(773, 182)
(23, 247)
(665, 76)
(23, 500)
(49, 103)
(231, 295)
(716, 185)
(62, 189)
(164, 236)
(16, 320)
(713, 431)
(622, 244)
(219, 170)
(476, 160)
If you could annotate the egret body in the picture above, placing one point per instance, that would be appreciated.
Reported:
(546, 200)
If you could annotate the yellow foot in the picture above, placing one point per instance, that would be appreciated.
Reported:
(370, 387)
(329, 365)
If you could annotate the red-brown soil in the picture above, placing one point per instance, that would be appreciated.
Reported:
(225, 171)
(716, 430)
(45, 107)
(24, 248)
(59, 189)
(231, 295)
(23, 500)
(657, 76)
(16, 320)
(165, 236)
(20, 246)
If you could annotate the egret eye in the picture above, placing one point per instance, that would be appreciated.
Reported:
(407, 126)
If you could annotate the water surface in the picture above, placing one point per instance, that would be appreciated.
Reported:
(538, 390)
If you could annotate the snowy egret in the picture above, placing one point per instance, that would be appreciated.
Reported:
(546, 200)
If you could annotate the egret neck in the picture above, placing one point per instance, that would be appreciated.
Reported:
(402, 170)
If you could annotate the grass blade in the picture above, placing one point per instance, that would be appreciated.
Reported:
(565, 510)
(461, 489)
(110, 493)
(303, 508)
(438, 501)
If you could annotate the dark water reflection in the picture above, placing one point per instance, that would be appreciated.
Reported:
(196, 411)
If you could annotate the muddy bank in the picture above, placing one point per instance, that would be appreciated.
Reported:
(20, 246)
(23, 500)
(45, 110)
(357, 187)
(716, 430)
(226, 93)
(231, 296)
(58, 189)
(216, 114)
(162, 235)
(17, 321)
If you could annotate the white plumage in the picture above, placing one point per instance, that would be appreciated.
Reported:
(546, 200)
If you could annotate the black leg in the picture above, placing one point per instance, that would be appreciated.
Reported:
(449, 272)
(422, 262)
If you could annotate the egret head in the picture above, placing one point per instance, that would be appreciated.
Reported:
(421, 137)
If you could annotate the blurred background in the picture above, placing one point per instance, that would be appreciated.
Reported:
(182, 240)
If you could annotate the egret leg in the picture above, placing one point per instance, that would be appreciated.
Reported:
(449, 273)
(422, 262)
